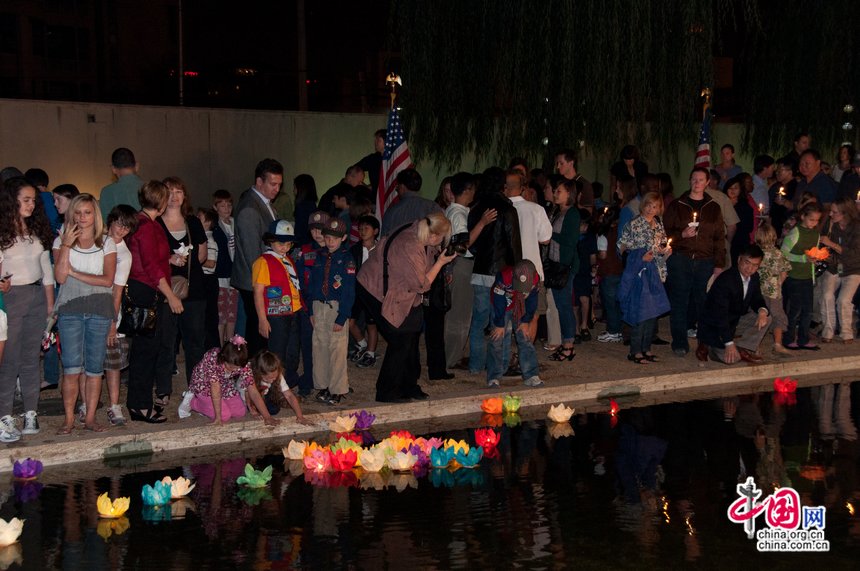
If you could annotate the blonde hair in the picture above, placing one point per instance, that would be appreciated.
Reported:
(98, 224)
(435, 223)
(652, 197)
(765, 236)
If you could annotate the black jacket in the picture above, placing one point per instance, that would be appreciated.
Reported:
(726, 304)
(498, 245)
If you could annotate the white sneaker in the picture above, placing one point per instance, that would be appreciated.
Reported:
(82, 413)
(185, 405)
(692, 333)
(6, 437)
(7, 424)
(493, 384)
(31, 423)
(607, 337)
(115, 416)
(533, 382)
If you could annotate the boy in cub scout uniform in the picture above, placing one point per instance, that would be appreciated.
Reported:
(331, 293)
(277, 297)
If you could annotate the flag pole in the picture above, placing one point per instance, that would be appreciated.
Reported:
(706, 104)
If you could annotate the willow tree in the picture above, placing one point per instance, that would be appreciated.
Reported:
(500, 78)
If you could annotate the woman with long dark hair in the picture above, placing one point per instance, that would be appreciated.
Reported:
(25, 242)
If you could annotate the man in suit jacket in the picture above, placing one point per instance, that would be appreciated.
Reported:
(253, 216)
(735, 303)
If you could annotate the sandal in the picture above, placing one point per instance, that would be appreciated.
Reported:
(638, 360)
(548, 347)
(65, 430)
(151, 416)
(563, 354)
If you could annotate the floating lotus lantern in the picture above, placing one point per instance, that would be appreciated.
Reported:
(343, 424)
(179, 488)
(295, 450)
(114, 509)
(421, 458)
(318, 461)
(156, 495)
(456, 445)
(255, 478)
(786, 385)
(363, 419)
(486, 437)
(492, 405)
(372, 459)
(441, 457)
(560, 429)
(10, 531)
(492, 420)
(343, 460)
(471, 458)
(560, 413)
(28, 469)
(512, 419)
(402, 461)
(817, 253)
(402, 434)
(428, 444)
(346, 444)
(511, 403)
(108, 527)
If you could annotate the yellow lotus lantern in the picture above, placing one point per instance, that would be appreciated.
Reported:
(112, 510)
(343, 424)
(560, 413)
(295, 450)
(458, 446)
(179, 488)
(10, 531)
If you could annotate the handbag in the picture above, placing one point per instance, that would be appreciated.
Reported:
(439, 296)
(181, 284)
(555, 274)
(139, 310)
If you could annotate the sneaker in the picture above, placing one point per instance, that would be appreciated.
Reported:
(31, 423)
(533, 382)
(7, 424)
(6, 437)
(692, 333)
(115, 416)
(185, 406)
(82, 413)
(493, 384)
(334, 400)
(358, 354)
(367, 360)
(607, 337)
(323, 395)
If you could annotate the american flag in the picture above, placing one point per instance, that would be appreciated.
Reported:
(395, 158)
(703, 151)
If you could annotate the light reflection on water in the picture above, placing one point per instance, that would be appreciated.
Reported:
(649, 492)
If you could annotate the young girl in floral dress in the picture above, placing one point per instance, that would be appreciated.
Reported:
(216, 381)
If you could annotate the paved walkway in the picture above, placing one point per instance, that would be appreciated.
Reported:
(599, 370)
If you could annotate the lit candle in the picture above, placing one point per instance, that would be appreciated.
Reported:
(858, 196)
(782, 191)
(605, 209)
(669, 243)
(695, 214)
(760, 207)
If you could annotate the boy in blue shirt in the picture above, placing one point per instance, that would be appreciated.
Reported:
(331, 293)
(514, 299)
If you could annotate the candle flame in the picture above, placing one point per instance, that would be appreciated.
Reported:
(782, 191)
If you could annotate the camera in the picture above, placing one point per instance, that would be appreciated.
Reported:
(458, 244)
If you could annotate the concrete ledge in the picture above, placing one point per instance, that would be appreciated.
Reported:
(173, 437)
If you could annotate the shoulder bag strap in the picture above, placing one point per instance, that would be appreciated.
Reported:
(385, 257)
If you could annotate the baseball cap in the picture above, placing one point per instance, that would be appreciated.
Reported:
(524, 276)
(318, 220)
(282, 230)
(335, 227)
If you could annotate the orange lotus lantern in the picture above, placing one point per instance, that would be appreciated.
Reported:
(492, 405)
(817, 253)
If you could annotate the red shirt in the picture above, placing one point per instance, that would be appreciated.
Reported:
(150, 253)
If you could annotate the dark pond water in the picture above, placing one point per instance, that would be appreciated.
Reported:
(648, 489)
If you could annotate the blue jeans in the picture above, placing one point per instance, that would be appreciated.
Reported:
(481, 309)
(84, 339)
(611, 307)
(686, 286)
(641, 335)
(497, 362)
(563, 299)
(797, 299)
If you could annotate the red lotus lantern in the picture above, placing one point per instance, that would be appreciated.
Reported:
(486, 438)
(343, 460)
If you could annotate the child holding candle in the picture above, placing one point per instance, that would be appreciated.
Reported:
(797, 287)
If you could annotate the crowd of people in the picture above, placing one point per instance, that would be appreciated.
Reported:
(272, 300)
